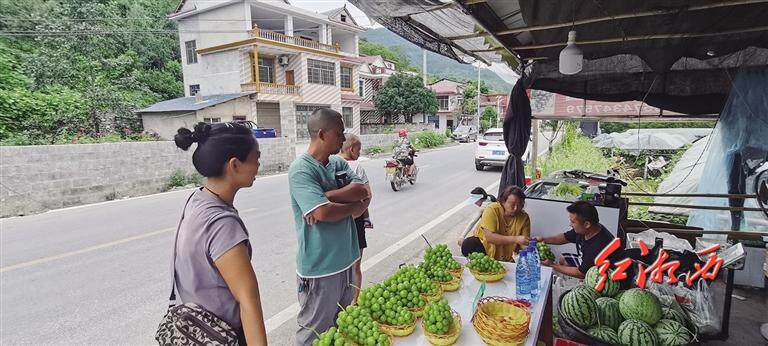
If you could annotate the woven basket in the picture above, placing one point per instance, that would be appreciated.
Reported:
(452, 285)
(418, 312)
(488, 277)
(457, 273)
(434, 297)
(404, 330)
(501, 322)
(449, 338)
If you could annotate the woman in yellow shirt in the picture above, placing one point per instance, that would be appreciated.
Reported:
(504, 227)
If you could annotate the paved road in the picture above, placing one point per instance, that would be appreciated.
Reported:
(99, 274)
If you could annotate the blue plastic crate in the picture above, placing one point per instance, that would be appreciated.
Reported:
(264, 132)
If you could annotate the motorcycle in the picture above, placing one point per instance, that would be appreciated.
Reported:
(396, 174)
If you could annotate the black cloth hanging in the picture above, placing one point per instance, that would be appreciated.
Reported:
(517, 134)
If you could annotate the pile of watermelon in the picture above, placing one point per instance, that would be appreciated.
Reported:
(634, 317)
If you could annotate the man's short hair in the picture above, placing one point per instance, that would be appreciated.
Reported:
(322, 119)
(350, 141)
(584, 211)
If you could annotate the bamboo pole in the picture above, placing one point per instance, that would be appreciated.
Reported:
(713, 195)
(628, 15)
(743, 235)
(685, 206)
(642, 38)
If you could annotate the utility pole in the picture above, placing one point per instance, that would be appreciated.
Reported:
(478, 94)
(424, 66)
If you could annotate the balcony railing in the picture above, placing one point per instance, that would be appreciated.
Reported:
(279, 89)
(296, 41)
(272, 88)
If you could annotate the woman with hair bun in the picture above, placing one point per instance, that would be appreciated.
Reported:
(212, 253)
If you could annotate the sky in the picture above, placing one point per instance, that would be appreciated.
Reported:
(325, 5)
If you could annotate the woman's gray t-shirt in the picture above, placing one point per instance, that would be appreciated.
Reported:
(209, 229)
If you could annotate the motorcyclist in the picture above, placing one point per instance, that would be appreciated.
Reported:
(404, 152)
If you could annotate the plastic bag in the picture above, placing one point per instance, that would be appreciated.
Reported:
(701, 310)
(561, 285)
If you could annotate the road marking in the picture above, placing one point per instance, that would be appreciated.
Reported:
(113, 243)
(81, 251)
(290, 312)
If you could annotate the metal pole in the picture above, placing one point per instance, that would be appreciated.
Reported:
(478, 93)
(535, 148)
(424, 66)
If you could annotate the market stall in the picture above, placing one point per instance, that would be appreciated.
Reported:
(446, 300)
(463, 300)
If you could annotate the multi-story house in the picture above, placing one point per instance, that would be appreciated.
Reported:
(262, 61)
(374, 72)
(497, 101)
(450, 98)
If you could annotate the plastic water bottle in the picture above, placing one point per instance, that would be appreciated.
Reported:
(522, 276)
(534, 269)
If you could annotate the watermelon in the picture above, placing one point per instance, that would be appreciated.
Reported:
(672, 333)
(608, 313)
(618, 295)
(579, 306)
(672, 314)
(640, 305)
(593, 277)
(637, 333)
(604, 334)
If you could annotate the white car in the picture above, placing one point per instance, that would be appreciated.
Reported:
(491, 149)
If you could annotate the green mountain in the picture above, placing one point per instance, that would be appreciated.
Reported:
(437, 65)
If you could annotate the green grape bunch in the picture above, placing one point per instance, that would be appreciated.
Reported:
(331, 337)
(386, 305)
(484, 264)
(545, 253)
(439, 256)
(357, 324)
(438, 317)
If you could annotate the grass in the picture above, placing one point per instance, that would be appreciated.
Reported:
(574, 151)
(180, 179)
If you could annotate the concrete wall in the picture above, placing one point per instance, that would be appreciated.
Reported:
(385, 128)
(377, 140)
(166, 124)
(39, 178)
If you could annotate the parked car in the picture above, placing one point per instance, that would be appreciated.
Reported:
(492, 151)
(465, 133)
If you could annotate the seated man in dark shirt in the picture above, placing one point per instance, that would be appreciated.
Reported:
(589, 236)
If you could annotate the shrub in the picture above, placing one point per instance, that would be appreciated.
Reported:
(428, 139)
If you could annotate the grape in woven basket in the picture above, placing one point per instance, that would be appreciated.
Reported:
(357, 324)
(331, 337)
(484, 264)
(438, 317)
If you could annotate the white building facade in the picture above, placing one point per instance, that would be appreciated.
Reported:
(283, 61)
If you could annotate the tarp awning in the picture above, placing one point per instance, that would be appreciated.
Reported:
(675, 55)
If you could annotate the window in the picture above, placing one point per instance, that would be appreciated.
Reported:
(238, 118)
(442, 103)
(211, 120)
(194, 89)
(321, 72)
(344, 18)
(267, 70)
(346, 77)
(493, 136)
(191, 50)
(347, 114)
(361, 87)
(302, 115)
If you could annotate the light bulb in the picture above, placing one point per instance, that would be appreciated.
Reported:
(571, 57)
